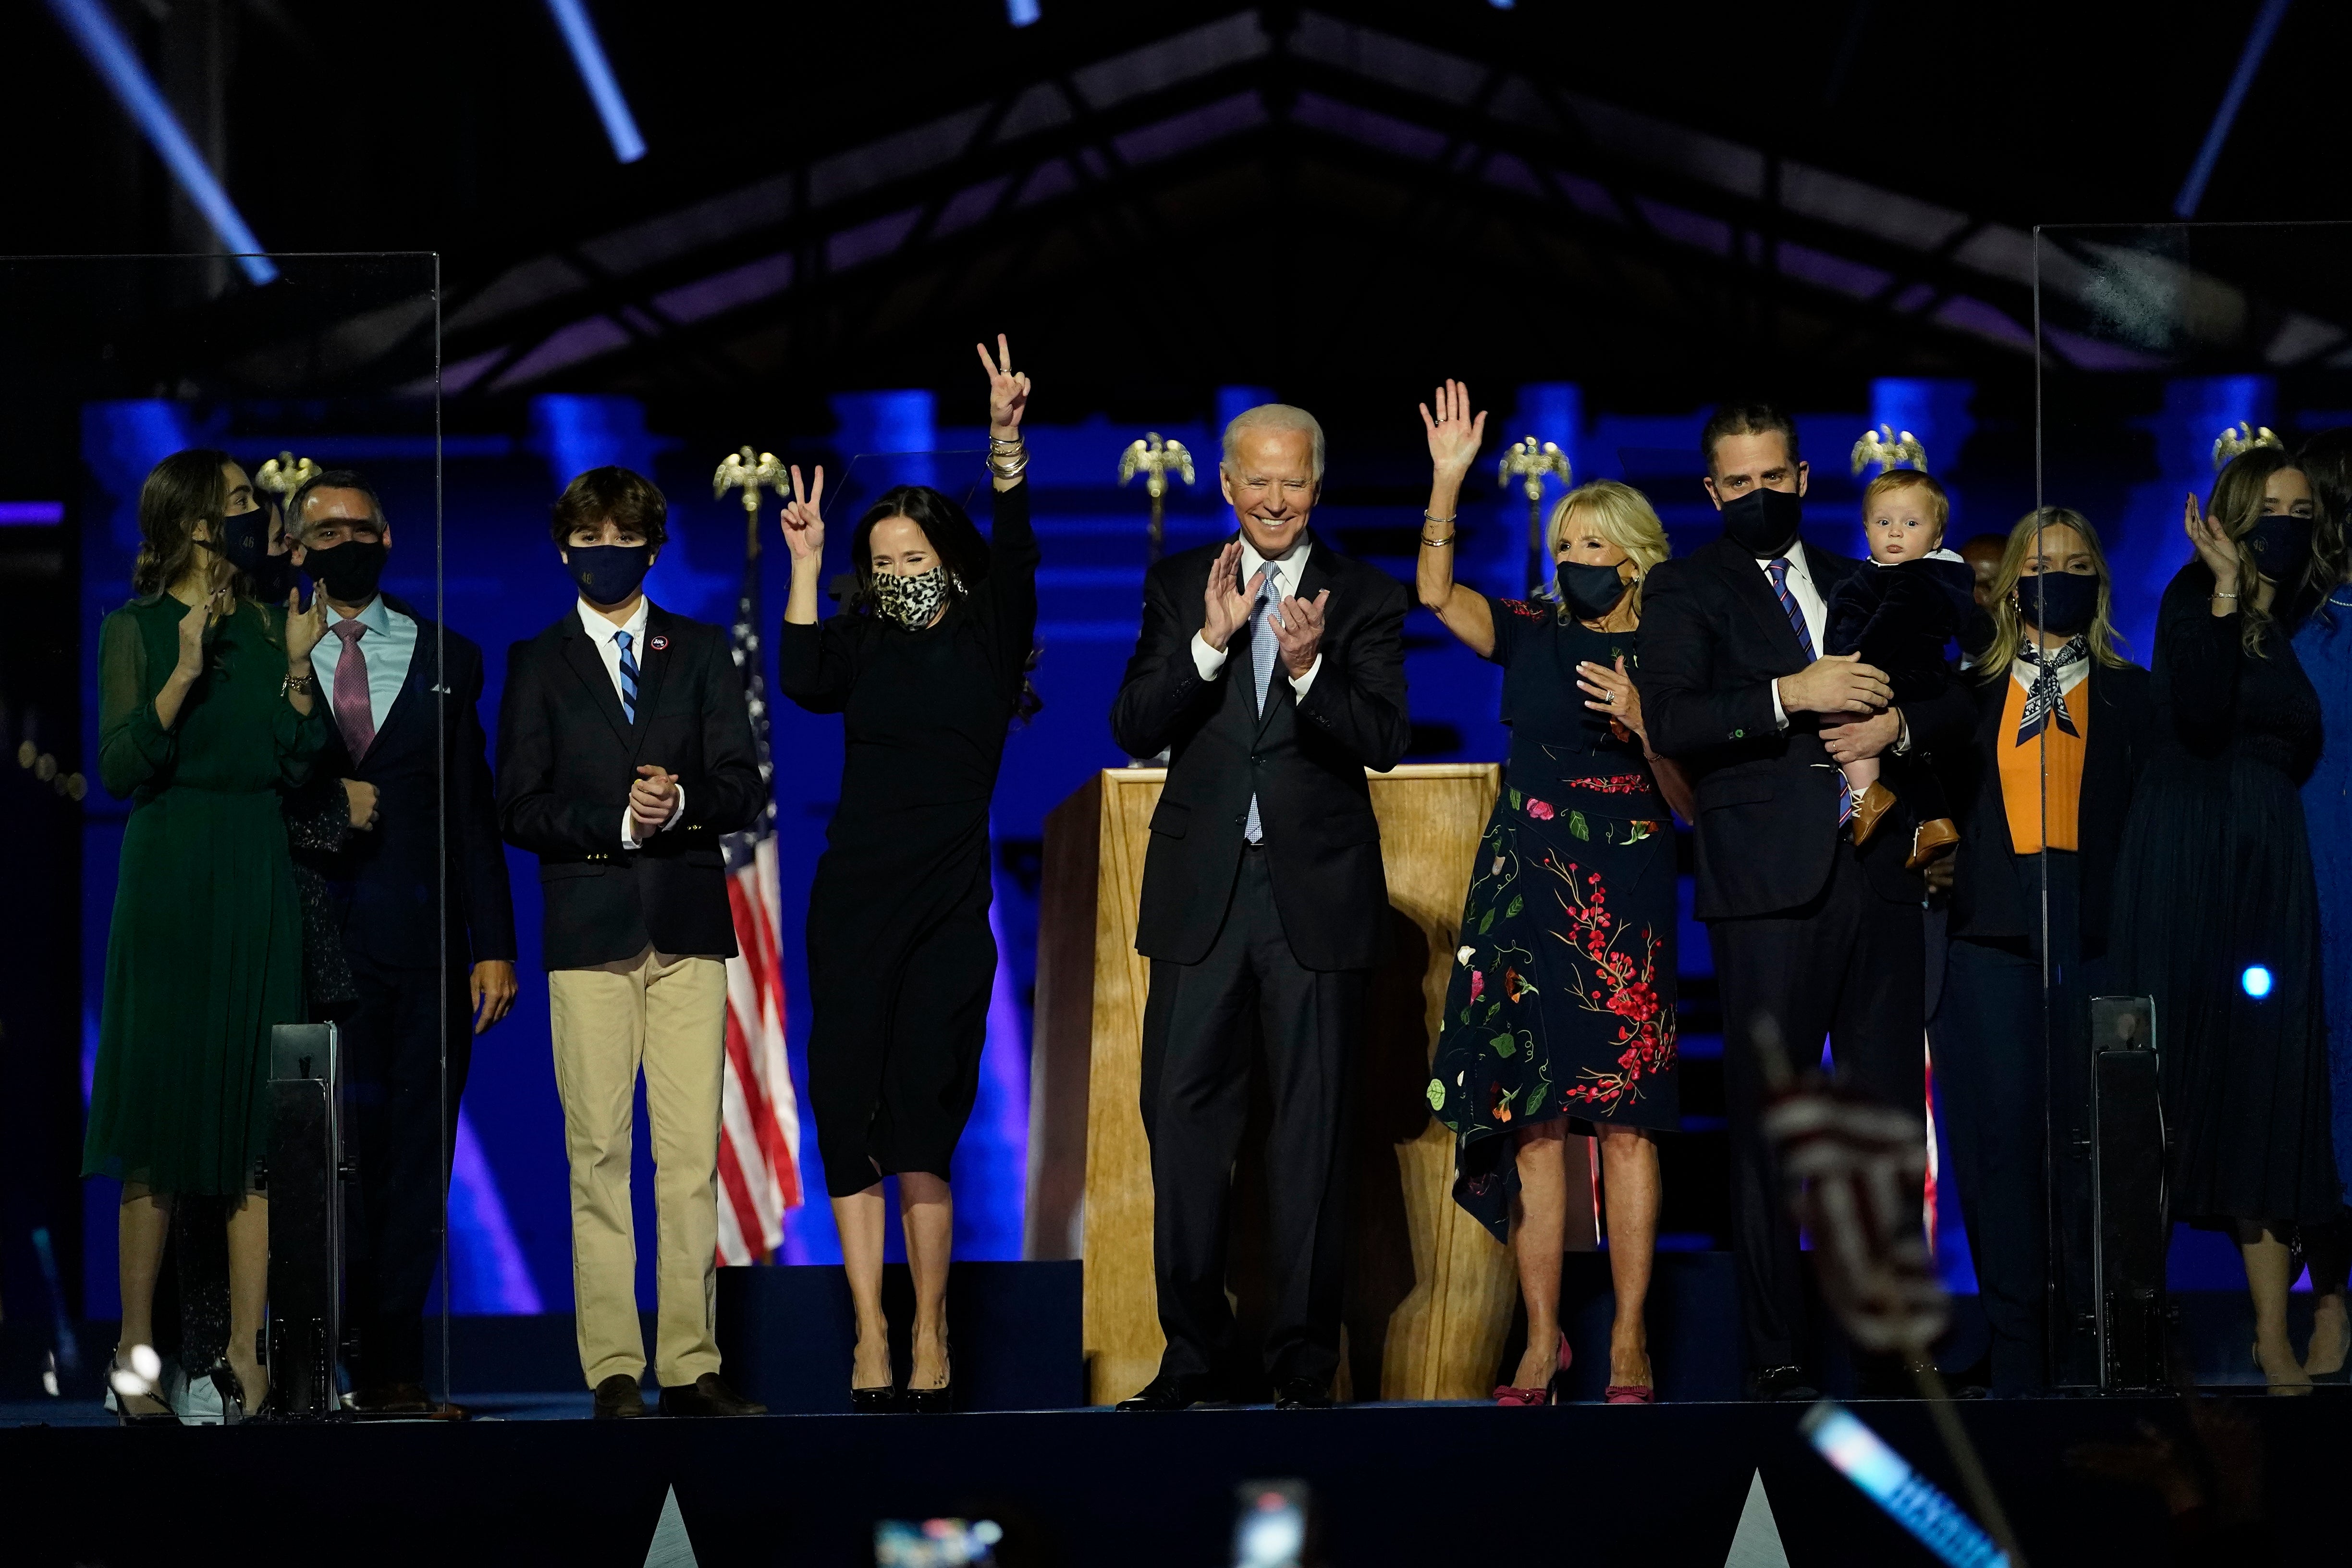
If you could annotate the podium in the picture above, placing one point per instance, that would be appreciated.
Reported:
(1430, 1292)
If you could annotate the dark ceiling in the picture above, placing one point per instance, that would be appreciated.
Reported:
(1342, 200)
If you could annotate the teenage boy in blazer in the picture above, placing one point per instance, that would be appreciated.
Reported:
(625, 755)
(1271, 669)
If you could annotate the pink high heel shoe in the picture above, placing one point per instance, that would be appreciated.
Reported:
(1506, 1395)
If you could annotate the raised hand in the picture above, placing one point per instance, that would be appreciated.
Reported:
(1225, 609)
(1299, 631)
(1454, 437)
(192, 630)
(804, 523)
(303, 627)
(1008, 391)
(2214, 546)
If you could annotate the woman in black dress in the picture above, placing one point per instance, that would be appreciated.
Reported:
(2216, 883)
(926, 665)
(1561, 1007)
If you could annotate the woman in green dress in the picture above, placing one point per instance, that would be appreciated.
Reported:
(207, 709)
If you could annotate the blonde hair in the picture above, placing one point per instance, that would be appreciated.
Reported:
(1895, 480)
(2007, 627)
(1620, 514)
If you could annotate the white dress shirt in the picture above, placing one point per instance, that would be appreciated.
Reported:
(1287, 572)
(1816, 611)
(387, 647)
(602, 632)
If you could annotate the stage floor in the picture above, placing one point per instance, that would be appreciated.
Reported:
(1394, 1483)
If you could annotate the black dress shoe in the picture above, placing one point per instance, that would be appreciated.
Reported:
(1168, 1391)
(618, 1398)
(393, 1399)
(1784, 1385)
(707, 1396)
(1302, 1394)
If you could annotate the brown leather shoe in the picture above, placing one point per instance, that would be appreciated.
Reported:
(707, 1396)
(618, 1398)
(1869, 808)
(1930, 839)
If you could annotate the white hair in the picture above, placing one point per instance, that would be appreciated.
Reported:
(1273, 416)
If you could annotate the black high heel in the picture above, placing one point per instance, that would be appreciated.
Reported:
(124, 1415)
(873, 1401)
(937, 1400)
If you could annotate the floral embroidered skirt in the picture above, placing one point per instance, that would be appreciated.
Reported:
(1562, 1000)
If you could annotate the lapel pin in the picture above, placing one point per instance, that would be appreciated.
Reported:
(657, 644)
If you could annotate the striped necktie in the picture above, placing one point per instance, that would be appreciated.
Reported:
(1262, 668)
(622, 640)
(1777, 570)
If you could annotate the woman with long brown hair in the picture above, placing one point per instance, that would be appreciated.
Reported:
(2063, 728)
(2216, 907)
(207, 710)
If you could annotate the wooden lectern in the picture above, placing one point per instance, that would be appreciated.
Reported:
(1430, 1292)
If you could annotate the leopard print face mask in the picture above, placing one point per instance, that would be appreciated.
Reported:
(912, 600)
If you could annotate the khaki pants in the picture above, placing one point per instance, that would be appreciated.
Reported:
(669, 1014)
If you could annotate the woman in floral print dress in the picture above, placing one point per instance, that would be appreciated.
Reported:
(1560, 1015)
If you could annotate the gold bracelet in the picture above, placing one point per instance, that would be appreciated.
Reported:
(1429, 544)
(302, 684)
(1441, 521)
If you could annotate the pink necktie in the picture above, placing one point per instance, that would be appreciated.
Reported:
(353, 714)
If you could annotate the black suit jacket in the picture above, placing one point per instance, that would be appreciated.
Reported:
(1713, 638)
(383, 886)
(1995, 896)
(1305, 760)
(567, 756)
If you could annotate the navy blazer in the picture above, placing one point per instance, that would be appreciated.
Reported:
(1713, 638)
(567, 756)
(1304, 757)
(1995, 895)
(384, 885)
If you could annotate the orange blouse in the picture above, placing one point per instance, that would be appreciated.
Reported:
(2022, 772)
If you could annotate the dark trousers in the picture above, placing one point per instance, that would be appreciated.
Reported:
(402, 1113)
(1198, 1042)
(1849, 965)
(2006, 1087)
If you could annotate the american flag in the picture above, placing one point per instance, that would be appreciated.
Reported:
(760, 1122)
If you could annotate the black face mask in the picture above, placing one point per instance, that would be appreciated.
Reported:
(2282, 545)
(608, 574)
(1764, 522)
(1588, 592)
(244, 542)
(349, 571)
(2059, 603)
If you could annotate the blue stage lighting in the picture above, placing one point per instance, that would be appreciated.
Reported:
(2258, 44)
(2256, 981)
(596, 71)
(111, 54)
(1020, 13)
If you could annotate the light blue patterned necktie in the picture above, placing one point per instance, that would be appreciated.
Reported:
(628, 675)
(1778, 568)
(1262, 666)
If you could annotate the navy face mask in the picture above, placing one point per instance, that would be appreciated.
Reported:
(2059, 603)
(1764, 522)
(244, 542)
(2282, 545)
(608, 574)
(1588, 592)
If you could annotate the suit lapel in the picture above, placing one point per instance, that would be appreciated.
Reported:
(586, 663)
(1753, 592)
(1316, 576)
(415, 687)
(653, 669)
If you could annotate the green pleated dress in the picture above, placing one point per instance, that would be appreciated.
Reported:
(204, 953)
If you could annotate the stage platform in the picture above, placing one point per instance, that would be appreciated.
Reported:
(1393, 1484)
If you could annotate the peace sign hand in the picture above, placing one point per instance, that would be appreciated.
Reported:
(1454, 437)
(803, 524)
(1008, 390)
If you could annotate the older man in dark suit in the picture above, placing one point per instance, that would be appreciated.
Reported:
(1811, 932)
(418, 900)
(1271, 669)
